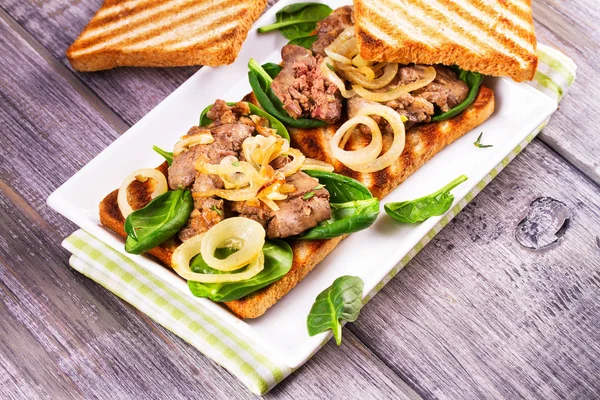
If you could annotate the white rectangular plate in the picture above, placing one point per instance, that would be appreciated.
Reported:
(370, 254)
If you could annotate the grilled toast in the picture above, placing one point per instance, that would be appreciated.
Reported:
(491, 37)
(422, 143)
(166, 33)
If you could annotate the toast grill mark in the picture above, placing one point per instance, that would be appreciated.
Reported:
(103, 28)
(210, 27)
(455, 12)
(503, 20)
(455, 27)
(466, 32)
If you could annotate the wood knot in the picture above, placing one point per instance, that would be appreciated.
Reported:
(547, 220)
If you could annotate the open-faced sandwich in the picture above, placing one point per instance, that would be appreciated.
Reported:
(253, 198)
(235, 208)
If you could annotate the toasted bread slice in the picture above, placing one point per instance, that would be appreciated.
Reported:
(491, 37)
(422, 143)
(165, 33)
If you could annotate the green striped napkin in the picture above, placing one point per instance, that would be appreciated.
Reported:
(218, 339)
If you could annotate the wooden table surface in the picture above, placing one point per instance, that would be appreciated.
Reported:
(475, 315)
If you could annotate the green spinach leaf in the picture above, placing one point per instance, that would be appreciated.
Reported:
(160, 220)
(473, 81)
(272, 69)
(418, 210)
(346, 218)
(341, 188)
(298, 20)
(353, 207)
(278, 261)
(166, 154)
(273, 122)
(341, 301)
(304, 41)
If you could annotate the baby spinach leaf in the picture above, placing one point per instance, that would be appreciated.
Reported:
(273, 122)
(278, 261)
(341, 188)
(349, 217)
(304, 41)
(418, 210)
(473, 81)
(272, 69)
(265, 79)
(298, 20)
(166, 154)
(353, 207)
(341, 301)
(160, 220)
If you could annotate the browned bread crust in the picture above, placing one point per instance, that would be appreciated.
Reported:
(111, 217)
(166, 33)
(422, 143)
(491, 37)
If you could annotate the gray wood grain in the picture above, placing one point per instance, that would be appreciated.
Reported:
(573, 29)
(476, 315)
(132, 92)
(62, 335)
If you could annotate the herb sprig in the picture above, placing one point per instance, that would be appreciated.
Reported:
(477, 143)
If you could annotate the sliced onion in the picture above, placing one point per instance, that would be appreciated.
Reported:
(241, 194)
(293, 166)
(367, 72)
(358, 62)
(261, 150)
(362, 163)
(336, 80)
(269, 203)
(343, 37)
(190, 248)
(349, 48)
(141, 174)
(235, 180)
(248, 232)
(263, 125)
(311, 163)
(389, 72)
(397, 92)
(273, 191)
(191, 141)
(360, 156)
(337, 57)
(345, 52)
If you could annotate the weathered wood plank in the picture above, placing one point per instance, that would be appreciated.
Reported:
(131, 92)
(573, 131)
(64, 336)
(476, 315)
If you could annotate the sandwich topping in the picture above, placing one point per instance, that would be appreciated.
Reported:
(233, 185)
(313, 83)
(258, 176)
